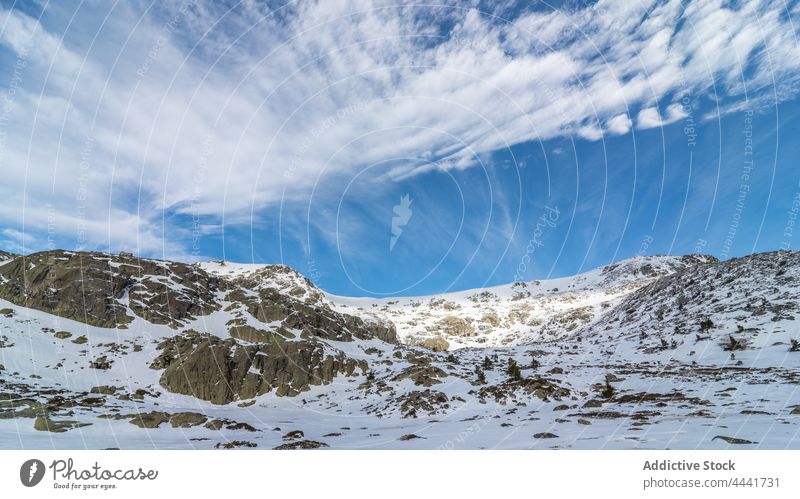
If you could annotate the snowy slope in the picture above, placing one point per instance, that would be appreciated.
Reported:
(634, 355)
(519, 313)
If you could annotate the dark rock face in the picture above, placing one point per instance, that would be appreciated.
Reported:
(66, 284)
(97, 289)
(89, 287)
(222, 371)
(314, 319)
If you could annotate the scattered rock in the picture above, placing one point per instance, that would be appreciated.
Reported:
(104, 390)
(100, 363)
(293, 435)
(215, 424)
(151, 419)
(421, 375)
(239, 426)
(437, 344)
(187, 419)
(44, 423)
(427, 401)
(732, 440)
(235, 444)
(409, 436)
(545, 435)
(302, 444)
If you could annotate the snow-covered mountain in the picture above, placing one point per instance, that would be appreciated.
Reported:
(519, 313)
(102, 350)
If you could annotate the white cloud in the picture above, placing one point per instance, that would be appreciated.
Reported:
(651, 118)
(224, 117)
(619, 124)
(648, 118)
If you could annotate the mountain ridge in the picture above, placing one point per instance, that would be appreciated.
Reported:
(644, 353)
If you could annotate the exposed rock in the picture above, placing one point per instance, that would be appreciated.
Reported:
(100, 363)
(437, 344)
(92, 402)
(215, 424)
(456, 326)
(44, 423)
(239, 426)
(63, 335)
(293, 435)
(151, 419)
(422, 375)
(733, 440)
(187, 419)
(88, 287)
(543, 388)
(104, 389)
(235, 444)
(252, 335)
(545, 435)
(409, 436)
(426, 401)
(302, 444)
(222, 371)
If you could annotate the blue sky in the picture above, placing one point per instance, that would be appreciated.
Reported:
(270, 132)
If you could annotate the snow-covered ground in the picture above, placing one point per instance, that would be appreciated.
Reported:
(656, 352)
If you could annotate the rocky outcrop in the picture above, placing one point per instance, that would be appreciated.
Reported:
(92, 287)
(437, 344)
(222, 371)
(108, 290)
(456, 326)
(316, 319)
(67, 284)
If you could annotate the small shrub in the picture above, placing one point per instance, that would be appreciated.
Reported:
(706, 324)
(481, 375)
(733, 344)
(608, 391)
(513, 371)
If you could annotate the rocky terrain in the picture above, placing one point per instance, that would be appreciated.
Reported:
(114, 351)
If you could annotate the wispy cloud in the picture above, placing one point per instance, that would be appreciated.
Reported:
(193, 109)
